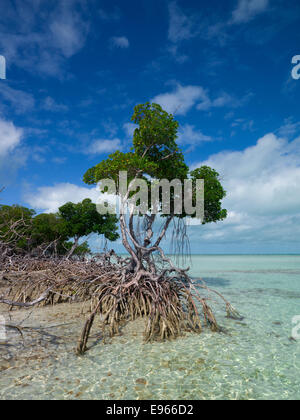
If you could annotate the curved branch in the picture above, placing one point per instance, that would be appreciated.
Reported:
(27, 304)
(150, 221)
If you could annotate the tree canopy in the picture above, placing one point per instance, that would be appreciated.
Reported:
(81, 219)
(53, 233)
(156, 155)
(15, 225)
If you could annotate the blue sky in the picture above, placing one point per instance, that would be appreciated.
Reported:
(76, 68)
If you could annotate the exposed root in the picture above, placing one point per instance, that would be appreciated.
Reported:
(26, 282)
(170, 306)
(157, 291)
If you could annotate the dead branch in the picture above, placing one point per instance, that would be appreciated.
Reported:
(27, 304)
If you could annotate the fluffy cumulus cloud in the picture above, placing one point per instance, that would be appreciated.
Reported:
(263, 192)
(101, 146)
(12, 157)
(49, 199)
(189, 135)
(248, 9)
(181, 99)
(10, 137)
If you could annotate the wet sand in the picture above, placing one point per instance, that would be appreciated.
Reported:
(43, 331)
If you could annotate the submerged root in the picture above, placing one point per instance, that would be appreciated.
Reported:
(170, 308)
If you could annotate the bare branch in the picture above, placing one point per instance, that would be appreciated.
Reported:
(27, 304)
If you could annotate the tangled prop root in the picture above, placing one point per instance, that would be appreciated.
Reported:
(170, 306)
(41, 282)
(166, 297)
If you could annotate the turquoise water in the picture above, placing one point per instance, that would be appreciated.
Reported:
(255, 359)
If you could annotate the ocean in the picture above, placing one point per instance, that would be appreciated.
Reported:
(255, 358)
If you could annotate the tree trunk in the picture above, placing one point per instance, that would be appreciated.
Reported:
(74, 246)
(141, 261)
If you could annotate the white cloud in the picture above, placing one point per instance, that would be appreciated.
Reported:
(224, 99)
(10, 137)
(68, 31)
(119, 42)
(263, 192)
(181, 26)
(189, 135)
(12, 155)
(49, 199)
(129, 129)
(100, 146)
(46, 34)
(183, 98)
(248, 9)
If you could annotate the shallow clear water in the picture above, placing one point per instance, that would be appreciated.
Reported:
(256, 359)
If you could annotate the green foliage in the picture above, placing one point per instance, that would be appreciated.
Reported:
(48, 228)
(82, 219)
(213, 193)
(55, 230)
(156, 138)
(81, 250)
(20, 218)
(156, 154)
(14, 213)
